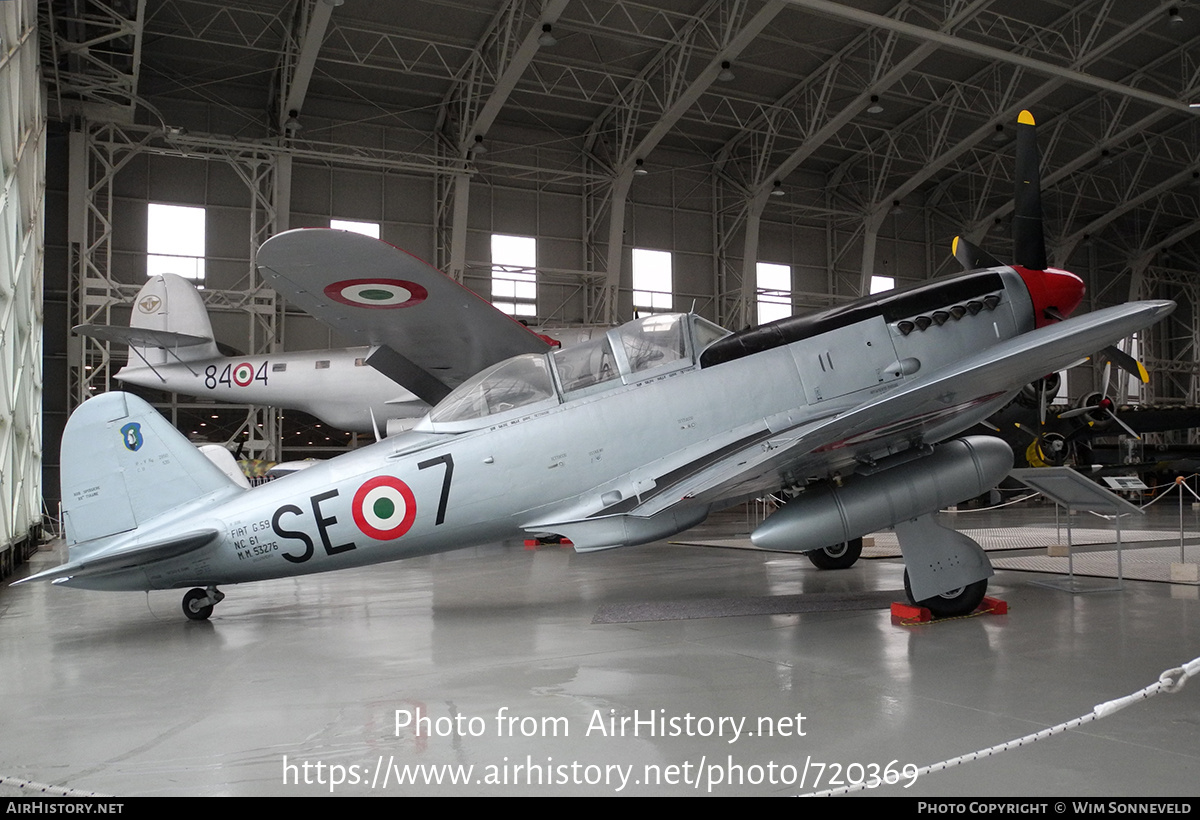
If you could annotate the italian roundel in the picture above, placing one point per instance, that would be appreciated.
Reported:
(243, 374)
(377, 293)
(384, 508)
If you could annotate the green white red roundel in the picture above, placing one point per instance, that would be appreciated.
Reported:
(384, 508)
(377, 293)
(243, 374)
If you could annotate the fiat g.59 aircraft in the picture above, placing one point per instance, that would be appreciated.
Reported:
(628, 438)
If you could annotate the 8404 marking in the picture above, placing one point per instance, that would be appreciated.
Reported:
(241, 375)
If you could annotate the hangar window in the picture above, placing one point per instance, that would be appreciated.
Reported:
(370, 229)
(652, 281)
(774, 292)
(175, 241)
(514, 274)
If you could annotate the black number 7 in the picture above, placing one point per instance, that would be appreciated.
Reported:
(449, 462)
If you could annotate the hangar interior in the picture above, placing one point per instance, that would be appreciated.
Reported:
(844, 141)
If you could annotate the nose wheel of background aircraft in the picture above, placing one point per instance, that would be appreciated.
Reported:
(839, 556)
(198, 603)
(961, 601)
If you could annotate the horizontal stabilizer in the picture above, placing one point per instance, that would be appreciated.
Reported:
(135, 556)
(140, 336)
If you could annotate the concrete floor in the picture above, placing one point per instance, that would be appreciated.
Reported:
(118, 693)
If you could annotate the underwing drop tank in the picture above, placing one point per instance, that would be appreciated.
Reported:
(954, 472)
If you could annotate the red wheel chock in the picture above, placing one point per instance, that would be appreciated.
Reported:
(911, 613)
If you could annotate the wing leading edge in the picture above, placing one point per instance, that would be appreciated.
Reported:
(906, 412)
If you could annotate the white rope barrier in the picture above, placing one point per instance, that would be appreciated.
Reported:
(996, 507)
(31, 788)
(1170, 681)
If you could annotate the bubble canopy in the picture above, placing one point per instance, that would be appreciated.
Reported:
(526, 383)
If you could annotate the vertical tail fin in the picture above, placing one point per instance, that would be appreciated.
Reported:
(123, 464)
(170, 303)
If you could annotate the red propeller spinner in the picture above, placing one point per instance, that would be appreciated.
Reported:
(1055, 293)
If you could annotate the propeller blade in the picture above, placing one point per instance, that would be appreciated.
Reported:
(1126, 362)
(1128, 429)
(971, 256)
(1029, 433)
(1078, 411)
(1029, 244)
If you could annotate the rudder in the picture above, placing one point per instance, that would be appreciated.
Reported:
(168, 302)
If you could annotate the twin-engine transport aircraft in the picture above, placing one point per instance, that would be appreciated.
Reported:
(172, 347)
(628, 438)
(448, 335)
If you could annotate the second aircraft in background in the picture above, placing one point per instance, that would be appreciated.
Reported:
(379, 386)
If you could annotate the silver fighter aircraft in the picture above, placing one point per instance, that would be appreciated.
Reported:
(631, 437)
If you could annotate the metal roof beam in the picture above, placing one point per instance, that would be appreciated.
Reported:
(306, 61)
(952, 43)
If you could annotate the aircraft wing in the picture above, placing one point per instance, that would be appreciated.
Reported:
(807, 447)
(429, 333)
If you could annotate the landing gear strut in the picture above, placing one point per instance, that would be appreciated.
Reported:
(839, 556)
(948, 570)
(198, 603)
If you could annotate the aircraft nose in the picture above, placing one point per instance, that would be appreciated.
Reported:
(1055, 293)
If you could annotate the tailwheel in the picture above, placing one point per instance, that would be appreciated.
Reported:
(839, 556)
(953, 603)
(198, 603)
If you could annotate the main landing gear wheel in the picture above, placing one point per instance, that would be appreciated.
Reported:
(961, 601)
(198, 603)
(839, 556)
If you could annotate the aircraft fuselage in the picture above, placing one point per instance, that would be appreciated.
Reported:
(336, 386)
(575, 465)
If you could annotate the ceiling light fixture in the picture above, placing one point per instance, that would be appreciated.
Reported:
(999, 136)
(638, 168)
(546, 38)
(875, 107)
(1173, 15)
(726, 74)
(478, 148)
(778, 189)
